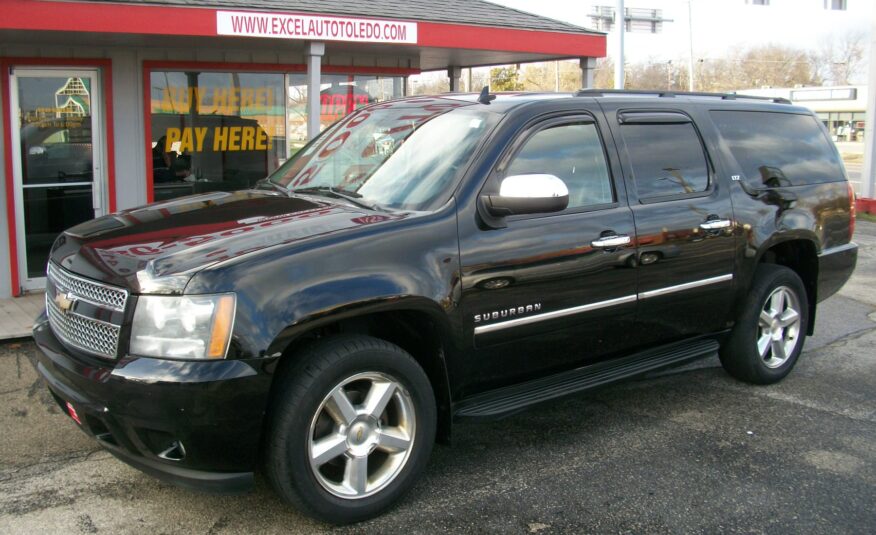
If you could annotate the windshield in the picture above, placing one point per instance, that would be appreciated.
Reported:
(401, 155)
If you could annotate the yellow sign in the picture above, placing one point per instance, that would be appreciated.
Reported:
(224, 138)
(217, 100)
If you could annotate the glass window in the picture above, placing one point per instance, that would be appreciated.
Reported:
(215, 130)
(399, 155)
(340, 94)
(779, 149)
(573, 153)
(227, 130)
(667, 159)
(57, 145)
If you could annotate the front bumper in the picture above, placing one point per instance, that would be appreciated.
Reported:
(208, 414)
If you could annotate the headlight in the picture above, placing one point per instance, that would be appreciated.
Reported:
(182, 327)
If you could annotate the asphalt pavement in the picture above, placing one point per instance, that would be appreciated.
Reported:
(684, 451)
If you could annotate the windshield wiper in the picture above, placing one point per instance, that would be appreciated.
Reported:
(267, 184)
(330, 191)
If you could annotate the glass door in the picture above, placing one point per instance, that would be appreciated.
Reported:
(57, 160)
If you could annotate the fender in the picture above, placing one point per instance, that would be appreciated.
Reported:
(750, 263)
(377, 304)
(286, 289)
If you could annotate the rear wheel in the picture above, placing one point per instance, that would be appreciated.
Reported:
(768, 337)
(353, 426)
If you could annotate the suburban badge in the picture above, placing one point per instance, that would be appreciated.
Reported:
(507, 313)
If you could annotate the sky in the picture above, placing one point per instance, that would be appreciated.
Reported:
(719, 26)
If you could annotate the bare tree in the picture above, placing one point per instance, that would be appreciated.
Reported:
(543, 76)
(840, 60)
(770, 65)
(841, 57)
(603, 74)
(505, 78)
(762, 66)
(662, 75)
(430, 83)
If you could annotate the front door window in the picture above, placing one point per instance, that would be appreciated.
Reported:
(56, 166)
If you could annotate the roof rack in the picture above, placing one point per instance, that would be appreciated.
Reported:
(673, 94)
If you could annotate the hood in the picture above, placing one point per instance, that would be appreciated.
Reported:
(157, 248)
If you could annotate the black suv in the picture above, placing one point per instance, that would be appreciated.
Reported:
(436, 258)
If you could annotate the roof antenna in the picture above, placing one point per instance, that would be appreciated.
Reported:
(485, 96)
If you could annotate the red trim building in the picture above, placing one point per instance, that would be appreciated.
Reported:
(111, 105)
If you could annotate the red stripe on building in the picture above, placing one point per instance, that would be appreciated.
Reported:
(191, 21)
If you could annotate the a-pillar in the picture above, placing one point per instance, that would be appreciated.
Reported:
(455, 74)
(313, 53)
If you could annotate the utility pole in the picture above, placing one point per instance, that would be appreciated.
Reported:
(621, 27)
(868, 176)
(690, 59)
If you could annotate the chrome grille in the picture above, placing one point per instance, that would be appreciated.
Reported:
(72, 327)
(93, 292)
(83, 333)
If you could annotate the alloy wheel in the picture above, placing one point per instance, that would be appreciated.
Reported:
(361, 435)
(778, 327)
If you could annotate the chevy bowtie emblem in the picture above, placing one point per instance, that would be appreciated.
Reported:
(65, 301)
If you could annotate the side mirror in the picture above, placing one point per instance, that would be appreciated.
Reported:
(528, 194)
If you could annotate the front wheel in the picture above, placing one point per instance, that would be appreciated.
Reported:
(768, 336)
(352, 428)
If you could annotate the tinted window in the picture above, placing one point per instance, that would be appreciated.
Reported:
(778, 149)
(667, 159)
(572, 152)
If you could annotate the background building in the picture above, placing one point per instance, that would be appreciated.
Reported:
(842, 109)
(110, 105)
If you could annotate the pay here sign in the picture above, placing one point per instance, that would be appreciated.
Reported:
(285, 26)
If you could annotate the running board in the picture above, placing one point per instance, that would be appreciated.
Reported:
(510, 399)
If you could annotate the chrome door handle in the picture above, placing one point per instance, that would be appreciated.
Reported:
(611, 241)
(715, 224)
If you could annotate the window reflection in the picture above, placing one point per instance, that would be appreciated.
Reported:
(667, 159)
(214, 131)
(223, 131)
(785, 149)
(340, 95)
(572, 152)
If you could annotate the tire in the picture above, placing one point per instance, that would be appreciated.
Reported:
(311, 421)
(753, 353)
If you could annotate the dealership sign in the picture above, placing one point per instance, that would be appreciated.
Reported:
(285, 26)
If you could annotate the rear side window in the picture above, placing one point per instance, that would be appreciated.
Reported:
(573, 153)
(778, 149)
(667, 159)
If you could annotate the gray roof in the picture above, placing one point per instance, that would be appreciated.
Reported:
(474, 12)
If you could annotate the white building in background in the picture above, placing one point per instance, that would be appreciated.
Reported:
(719, 26)
(842, 109)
